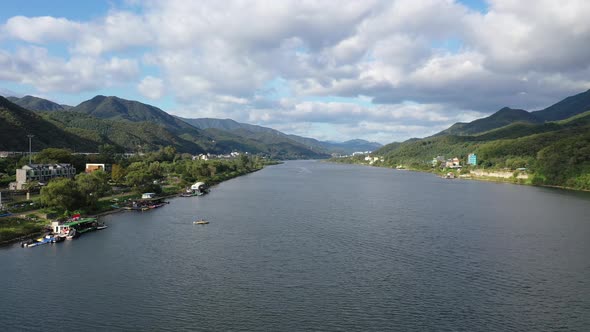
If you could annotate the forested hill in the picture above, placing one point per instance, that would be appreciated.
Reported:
(125, 136)
(554, 152)
(130, 126)
(17, 122)
(38, 104)
(115, 108)
(503, 117)
(564, 109)
(272, 135)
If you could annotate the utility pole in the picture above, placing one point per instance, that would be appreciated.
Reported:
(30, 153)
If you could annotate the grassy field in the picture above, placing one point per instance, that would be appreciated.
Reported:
(14, 227)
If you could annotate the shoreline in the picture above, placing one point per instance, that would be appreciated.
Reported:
(475, 178)
(6, 243)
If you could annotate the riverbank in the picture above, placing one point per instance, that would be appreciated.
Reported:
(480, 175)
(18, 228)
(14, 229)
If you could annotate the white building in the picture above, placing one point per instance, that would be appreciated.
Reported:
(41, 173)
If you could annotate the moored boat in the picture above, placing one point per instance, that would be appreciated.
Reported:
(72, 234)
(58, 238)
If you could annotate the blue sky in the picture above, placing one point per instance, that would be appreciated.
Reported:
(378, 70)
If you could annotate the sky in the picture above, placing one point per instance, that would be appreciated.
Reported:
(382, 71)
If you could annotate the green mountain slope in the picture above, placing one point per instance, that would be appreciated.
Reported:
(38, 104)
(557, 153)
(259, 133)
(276, 146)
(223, 124)
(132, 126)
(122, 110)
(270, 135)
(128, 136)
(16, 123)
(503, 117)
(566, 108)
(115, 108)
(354, 145)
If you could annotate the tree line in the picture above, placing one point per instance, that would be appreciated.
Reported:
(150, 172)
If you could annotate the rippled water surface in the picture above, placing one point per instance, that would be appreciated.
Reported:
(317, 246)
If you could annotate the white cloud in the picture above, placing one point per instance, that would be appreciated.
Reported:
(151, 87)
(548, 36)
(424, 64)
(117, 31)
(34, 66)
(40, 29)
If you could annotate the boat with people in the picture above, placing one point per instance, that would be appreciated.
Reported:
(145, 204)
(197, 189)
(38, 242)
(69, 230)
(72, 234)
(74, 227)
(58, 238)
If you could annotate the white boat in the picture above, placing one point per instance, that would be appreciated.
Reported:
(200, 222)
(72, 234)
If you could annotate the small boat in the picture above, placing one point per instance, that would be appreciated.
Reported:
(38, 242)
(99, 227)
(72, 234)
(57, 238)
(200, 222)
(26, 243)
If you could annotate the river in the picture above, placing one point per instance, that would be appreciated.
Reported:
(307, 245)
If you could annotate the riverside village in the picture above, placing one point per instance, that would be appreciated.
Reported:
(49, 202)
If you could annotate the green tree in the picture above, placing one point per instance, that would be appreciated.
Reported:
(54, 155)
(139, 180)
(117, 173)
(155, 170)
(62, 193)
(107, 153)
(167, 153)
(92, 186)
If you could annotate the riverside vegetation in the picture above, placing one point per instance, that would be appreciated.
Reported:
(164, 172)
(552, 144)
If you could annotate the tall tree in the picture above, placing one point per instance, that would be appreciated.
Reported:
(54, 155)
(62, 193)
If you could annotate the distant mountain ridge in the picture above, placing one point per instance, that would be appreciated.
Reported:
(17, 122)
(553, 144)
(134, 126)
(38, 104)
(115, 108)
(251, 131)
(564, 109)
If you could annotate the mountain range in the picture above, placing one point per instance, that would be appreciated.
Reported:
(553, 143)
(259, 132)
(564, 109)
(135, 126)
(38, 104)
